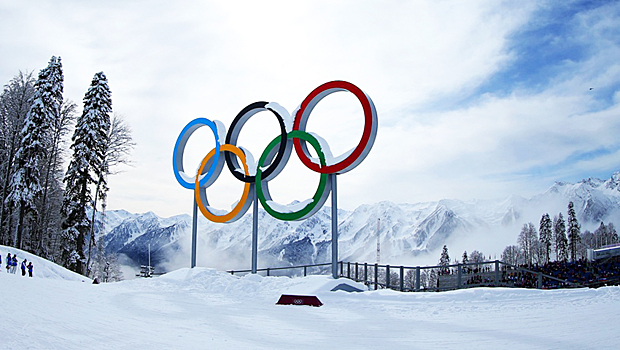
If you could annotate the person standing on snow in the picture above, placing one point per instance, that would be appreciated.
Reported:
(14, 264)
(30, 269)
(24, 267)
(8, 262)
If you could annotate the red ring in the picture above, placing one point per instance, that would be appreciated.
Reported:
(368, 136)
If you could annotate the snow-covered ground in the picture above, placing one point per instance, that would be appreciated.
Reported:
(203, 308)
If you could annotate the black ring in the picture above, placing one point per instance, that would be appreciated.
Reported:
(233, 135)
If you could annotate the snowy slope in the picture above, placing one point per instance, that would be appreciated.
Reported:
(205, 309)
(42, 268)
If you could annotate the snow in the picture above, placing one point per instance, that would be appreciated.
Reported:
(221, 130)
(283, 112)
(289, 208)
(41, 268)
(330, 159)
(216, 211)
(249, 161)
(203, 308)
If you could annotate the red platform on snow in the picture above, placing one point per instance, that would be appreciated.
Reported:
(287, 299)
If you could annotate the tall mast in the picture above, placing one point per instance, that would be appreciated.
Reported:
(378, 241)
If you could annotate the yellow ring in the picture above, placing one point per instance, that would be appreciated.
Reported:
(246, 191)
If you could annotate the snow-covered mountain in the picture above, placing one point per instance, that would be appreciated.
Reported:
(405, 230)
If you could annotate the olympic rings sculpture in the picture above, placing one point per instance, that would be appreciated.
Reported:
(275, 156)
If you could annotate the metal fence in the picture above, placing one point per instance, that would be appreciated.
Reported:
(291, 271)
(428, 278)
(457, 276)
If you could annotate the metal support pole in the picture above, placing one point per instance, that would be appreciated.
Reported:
(356, 273)
(459, 277)
(496, 273)
(402, 278)
(376, 275)
(194, 233)
(348, 269)
(334, 226)
(387, 276)
(417, 279)
(365, 272)
(255, 233)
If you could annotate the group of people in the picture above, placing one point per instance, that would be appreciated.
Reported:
(11, 264)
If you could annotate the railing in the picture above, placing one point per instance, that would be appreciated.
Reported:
(296, 270)
(428, 278)
(449, 277)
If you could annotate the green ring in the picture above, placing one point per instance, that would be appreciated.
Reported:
(316, 199)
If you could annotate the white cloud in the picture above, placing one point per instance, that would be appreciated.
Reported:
(170, 62)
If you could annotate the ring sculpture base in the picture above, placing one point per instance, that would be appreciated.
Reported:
(287, 299)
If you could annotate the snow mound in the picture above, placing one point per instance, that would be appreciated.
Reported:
(42, 268)
(213, 281)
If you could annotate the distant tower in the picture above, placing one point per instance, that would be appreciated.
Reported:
(378, 241)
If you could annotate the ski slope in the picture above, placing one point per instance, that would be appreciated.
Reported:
(203, 308)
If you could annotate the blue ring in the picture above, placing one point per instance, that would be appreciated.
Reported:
(179, 148)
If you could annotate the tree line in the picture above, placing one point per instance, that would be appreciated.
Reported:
(46, 207)
(557, 240)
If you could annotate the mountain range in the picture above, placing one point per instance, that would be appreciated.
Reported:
(407, 233)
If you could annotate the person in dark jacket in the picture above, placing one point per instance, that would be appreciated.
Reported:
(8, 262)
(29, 269)
(24, 267)
(14, 264)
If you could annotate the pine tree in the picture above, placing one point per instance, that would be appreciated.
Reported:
(574, 232)
(26, 187)
(546, 236)
(465, 258)
(444, 260)
(561, 243)
(85, 169)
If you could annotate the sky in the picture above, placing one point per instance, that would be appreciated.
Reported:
(475, 99)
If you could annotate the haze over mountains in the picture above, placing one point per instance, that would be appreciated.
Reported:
(410, 234)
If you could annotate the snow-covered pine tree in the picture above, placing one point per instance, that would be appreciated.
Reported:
(561, 243)
(546, 236)
(26, 187)
(465, 258)
(85, 169)
(15, 102)
(574, 232)
(444, 260)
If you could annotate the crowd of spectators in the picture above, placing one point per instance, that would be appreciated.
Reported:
(577, 273)
(581, 273)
